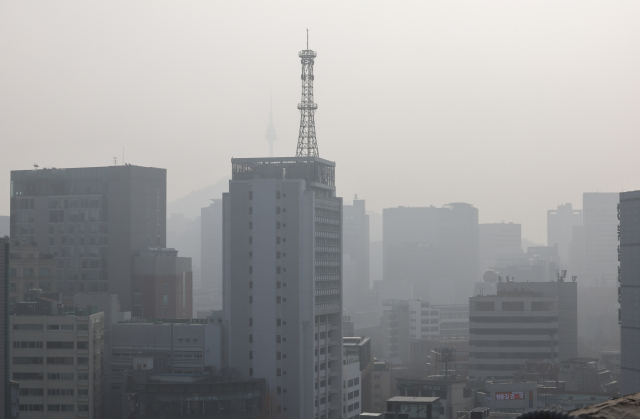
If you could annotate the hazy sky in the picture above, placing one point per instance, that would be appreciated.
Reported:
(512, 106)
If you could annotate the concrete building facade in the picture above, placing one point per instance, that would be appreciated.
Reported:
(600, 220)
(57, 361)
(29, 270)
(629, 292)
(5, 388)
(162, 284)
(92, 221)
(282, 284)
(356, 246)
(211, 251)
(524, 321)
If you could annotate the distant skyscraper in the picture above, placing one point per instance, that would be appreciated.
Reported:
(499, 242)
(601, 238)
(211, 246)
(560, 223)
(271, 131)
(93, 221)
(435, 248)
(356, 245)
(630, 291)
(282, 264)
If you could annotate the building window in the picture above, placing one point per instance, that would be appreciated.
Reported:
(165, 312)
(165, 287)
(165, 299)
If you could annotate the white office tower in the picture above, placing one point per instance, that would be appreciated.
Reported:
(282, 292)
(630, 292)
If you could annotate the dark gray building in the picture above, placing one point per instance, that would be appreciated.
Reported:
(630, 292)
(435, 248)
(92, 221)
(211, 246)
(356, 246)
(5, 394)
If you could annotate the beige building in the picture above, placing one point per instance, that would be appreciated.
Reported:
(28, 269)
(57, 360)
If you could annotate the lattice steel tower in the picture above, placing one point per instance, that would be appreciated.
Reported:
(307, 145)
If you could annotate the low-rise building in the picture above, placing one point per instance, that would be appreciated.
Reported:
(452, 393)
(154, 394)
(510, 397)
(351, 385)
(57, 359)
(380, 387)
(414, 407)
(584, 375)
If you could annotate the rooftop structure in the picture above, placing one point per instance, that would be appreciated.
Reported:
(307, 144)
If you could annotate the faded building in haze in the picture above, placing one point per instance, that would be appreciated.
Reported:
(435, 248)
(356, 246)
(92, 221)
(560, 224)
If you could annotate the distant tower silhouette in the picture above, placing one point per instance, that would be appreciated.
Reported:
(307, 145)
(271, 130)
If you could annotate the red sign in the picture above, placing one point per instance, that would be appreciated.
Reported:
(514, 395)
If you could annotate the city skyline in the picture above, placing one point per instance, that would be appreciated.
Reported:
(483, 98)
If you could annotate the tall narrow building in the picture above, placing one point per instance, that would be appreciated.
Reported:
(282, 268)
(629, 292)
(600, 238)
(356, 246)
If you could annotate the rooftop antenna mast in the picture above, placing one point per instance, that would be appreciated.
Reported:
(307, 144)
(271, 130)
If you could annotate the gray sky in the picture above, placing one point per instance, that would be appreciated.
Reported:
(515, 107)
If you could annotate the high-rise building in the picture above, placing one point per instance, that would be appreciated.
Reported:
(524, 321)
(435, 248)
(211, 251)
(356, 246)
(5, 395)
(92, 221)
(57, 360)
(498, 243)
(560, 223)
(282, 280)
(282, 268)
(601, 238)
(630, 292)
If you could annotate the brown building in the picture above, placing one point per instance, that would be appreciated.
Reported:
(163, 284)
(28, 269)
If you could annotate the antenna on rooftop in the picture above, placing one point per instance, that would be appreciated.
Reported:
(561, 274)
(115, 161)
(307, 144)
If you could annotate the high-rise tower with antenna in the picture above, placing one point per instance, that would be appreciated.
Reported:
(271, 130)
(282, 274)
(307, 144)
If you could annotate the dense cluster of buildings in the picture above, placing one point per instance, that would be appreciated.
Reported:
(102, 319)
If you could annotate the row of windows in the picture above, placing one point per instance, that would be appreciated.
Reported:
(514, 319)
(512, 355)
(29, 272)
(53, 408)
(50, 345)
(505, 331)
(79, 228)
(52, 392)
(40, 326)
(50, 376)
(51, 360)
